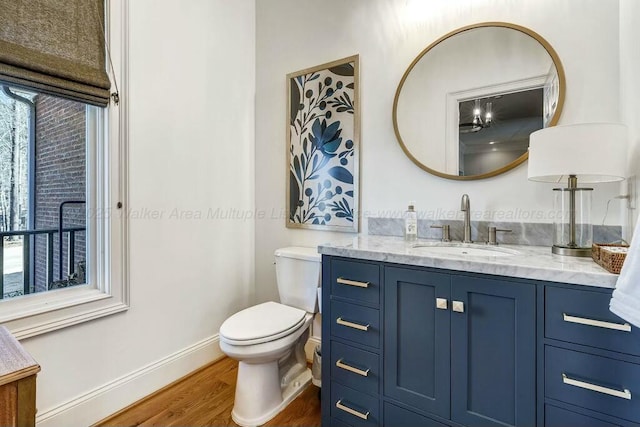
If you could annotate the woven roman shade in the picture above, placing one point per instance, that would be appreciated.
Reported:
(56, 47)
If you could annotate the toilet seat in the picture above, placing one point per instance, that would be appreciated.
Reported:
(261, 323)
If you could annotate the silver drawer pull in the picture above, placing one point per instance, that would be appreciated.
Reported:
(353, 325)
(348, 410)
(599, 323)
(624, 394)
(340, 364)
(352, 283)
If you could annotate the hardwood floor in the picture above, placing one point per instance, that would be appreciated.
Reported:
(205, 398)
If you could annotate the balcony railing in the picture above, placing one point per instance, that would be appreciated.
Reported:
(28, 238)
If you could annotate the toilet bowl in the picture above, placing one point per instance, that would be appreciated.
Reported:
(268, 340)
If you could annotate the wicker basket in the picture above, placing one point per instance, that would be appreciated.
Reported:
(610, 261)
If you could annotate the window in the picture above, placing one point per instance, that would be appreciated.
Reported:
(44, 176)
(63, 150)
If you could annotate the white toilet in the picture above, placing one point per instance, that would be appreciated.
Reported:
(268, 340)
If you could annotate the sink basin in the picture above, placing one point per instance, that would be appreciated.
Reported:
(464, 249)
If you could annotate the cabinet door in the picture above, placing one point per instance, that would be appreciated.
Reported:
(493, 350)
(416, 339)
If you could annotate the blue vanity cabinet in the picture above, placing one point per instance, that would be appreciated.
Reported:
(416, 339)
(408, 345)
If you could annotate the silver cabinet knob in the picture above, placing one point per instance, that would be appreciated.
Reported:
(457, 306)
(441, 303)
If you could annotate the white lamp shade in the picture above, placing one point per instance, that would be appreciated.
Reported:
(594, 152)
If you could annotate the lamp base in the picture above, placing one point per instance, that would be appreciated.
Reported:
(562, 250)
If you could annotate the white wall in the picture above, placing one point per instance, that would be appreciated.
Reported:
(388, 34)
(192, 74)
(630, 92)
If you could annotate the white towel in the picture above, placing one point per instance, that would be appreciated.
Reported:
(626, 297)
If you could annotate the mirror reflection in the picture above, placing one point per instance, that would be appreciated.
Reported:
(467, 105)
(485, 144)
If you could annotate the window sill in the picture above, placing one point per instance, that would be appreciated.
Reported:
(53, 310)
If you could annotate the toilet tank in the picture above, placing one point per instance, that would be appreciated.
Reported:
(298, 275)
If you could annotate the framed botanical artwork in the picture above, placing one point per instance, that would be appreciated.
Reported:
(323, 132)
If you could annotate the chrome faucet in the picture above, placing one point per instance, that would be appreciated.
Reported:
(464, 207)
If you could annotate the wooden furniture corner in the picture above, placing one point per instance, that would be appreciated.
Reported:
(18, 372)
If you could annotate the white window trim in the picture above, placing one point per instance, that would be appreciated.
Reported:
(108, 291)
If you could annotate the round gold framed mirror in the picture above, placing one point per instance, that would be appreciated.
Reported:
(466, 105)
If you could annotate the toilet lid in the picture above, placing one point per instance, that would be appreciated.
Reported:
(262, 321)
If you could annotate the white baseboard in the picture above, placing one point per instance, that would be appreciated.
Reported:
(99, 403)
(310, 346)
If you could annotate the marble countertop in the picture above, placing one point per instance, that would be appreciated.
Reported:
(531, 262)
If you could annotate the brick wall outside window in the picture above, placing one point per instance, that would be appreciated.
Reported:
(60, 175)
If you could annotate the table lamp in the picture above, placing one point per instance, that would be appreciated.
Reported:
(580, 153)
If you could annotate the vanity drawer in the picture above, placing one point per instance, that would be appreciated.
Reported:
(583, 317)
(558, 417)
(333, 422)
(598, 383)
(355, 280)
(358, 369)
(355, 323)
(353, 407)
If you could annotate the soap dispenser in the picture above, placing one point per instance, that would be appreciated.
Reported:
(411, 223)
